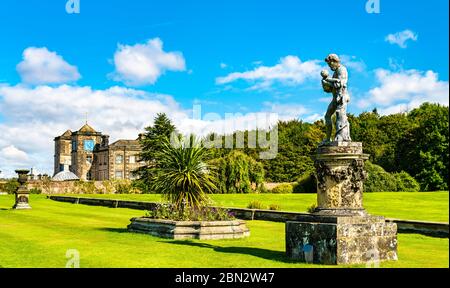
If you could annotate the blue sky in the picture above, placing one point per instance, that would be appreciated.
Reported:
(274, 49)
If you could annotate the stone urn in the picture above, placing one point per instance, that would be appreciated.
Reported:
(22, 193)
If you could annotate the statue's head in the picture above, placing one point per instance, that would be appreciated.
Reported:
(333, 61)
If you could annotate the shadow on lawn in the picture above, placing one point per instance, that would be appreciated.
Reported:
(257, 252)
(116, 230)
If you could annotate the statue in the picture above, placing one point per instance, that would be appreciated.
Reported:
(337, 85)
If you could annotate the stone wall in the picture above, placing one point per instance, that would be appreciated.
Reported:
(77, 187)
(436, 229)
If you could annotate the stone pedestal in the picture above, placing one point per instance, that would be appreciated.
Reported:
(22, 193)
(340, 179)
(340, 231)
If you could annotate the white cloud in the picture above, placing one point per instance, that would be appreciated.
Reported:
(223, 65)
(289, 71)
(143, 64)
(12, 153)
(41, 66)
(352, 62)
(33, 116)
(400, 38)
(405, 90)
(286, 111)
(11, 156)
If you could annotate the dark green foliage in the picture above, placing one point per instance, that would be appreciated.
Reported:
(152, 142)
(237, 173)
(378, 179)
(406, 183)
(141, 185)
(297, 142)
(312, 208)
(35, 191)
(416, 142)
(171, 212)
(10, 186)
(424, 151)
(381, 181)
(284, 188)
(307, 183)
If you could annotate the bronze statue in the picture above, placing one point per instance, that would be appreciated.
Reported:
(337, 85)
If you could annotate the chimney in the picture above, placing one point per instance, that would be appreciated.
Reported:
(105, 140)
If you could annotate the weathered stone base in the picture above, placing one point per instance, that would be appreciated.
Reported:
(21, 206)
(342, 240)
(190, 229)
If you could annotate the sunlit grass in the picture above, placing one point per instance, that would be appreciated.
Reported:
(40, 238)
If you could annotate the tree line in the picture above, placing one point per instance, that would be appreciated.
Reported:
(408, 152)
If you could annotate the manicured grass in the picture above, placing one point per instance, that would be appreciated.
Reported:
(426, 206)
(40, 238)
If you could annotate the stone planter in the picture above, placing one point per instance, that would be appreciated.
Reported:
(203, 230)
(22, 193)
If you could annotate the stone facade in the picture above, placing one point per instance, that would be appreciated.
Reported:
(63, 151)
(91, 157)
(340, 231)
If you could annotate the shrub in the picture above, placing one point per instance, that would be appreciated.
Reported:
(406, 183)
(142, 186)
(312, 208)
(274, 207)
(35, 191)
(85, 187)
(255, 205)
(171, 212)
(284, 188)
(125, 187)
(10, 186)
(379, 180)
(238, 173)
(306, 183)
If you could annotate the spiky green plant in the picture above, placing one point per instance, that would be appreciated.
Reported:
(183, 176)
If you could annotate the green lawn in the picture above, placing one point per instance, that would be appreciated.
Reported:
(41, 237)
(429, 206)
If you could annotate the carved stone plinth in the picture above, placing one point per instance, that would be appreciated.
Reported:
(340, 179)
(340, 231)
(22, 193)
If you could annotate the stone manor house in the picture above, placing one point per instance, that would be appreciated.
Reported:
(88, 154)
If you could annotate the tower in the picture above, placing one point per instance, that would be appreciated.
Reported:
(83, 143)
(62, 151)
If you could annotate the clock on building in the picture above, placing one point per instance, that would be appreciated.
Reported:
(89, 145)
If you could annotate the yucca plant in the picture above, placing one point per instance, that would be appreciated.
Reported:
(183, 176)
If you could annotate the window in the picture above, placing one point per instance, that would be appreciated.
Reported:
(119, 174)
(89, 145)
(89, 158)
(119, 159)
(132, 159)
